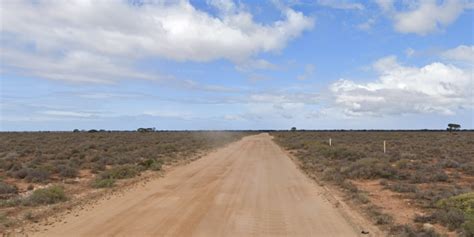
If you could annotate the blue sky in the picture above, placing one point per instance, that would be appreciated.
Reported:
(223, 64)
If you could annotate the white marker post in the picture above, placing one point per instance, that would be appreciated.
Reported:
(330, 142)
(384, 146)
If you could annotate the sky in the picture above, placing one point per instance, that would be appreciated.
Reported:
(223, 64)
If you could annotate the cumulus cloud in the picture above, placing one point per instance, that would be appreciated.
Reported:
(434, 88)
(117, 33)
(423, 17)
(462, 53)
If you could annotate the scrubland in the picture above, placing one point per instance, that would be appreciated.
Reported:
(39, 171)
(422, 186)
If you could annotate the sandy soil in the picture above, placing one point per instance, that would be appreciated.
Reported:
(402, 210)
(248, 188)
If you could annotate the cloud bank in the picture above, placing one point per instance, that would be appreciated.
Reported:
(436, 88)
(112, 35)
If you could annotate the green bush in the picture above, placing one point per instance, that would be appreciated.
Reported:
(120, 172)
(152, 164)
(103, 183)
(50, 195)
(468, 228)
(458, 212)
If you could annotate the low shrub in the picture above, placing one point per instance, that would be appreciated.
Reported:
(332, 174)
(428, 175)
(448, 163)
(19, 174)
(349, 186)
(35, 175)
(440, 177)
(457, 212)
(408, 231)
(468, 228)
(361, 197)
(97, 167)
(383, 219)
(11, 202)
(379, 217)
(402, 187)
(50, 195)
(342, 154)
(151, 164)
(103, 183)
(424, 218)
(7, 188)
(468, 168)
(120, 172)
(67, 171)
(369, 168)
(453, 218)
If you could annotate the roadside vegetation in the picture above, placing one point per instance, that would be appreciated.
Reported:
(430, 174)
(42, 169)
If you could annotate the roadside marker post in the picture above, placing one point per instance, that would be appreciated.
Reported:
(330, 142)
(384, 146)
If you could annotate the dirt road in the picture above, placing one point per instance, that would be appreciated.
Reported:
(249, 188)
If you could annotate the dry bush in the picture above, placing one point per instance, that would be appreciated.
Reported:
(425, 167)
(50, 195)
(7, 189)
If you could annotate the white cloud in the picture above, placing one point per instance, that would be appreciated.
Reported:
(366, 25)
(435, 88)
(341, 4)
(423, 17)
(462, 53)
(106, 37)
(385, 5)
(73, 66)
(175, 31)
(255, 64)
